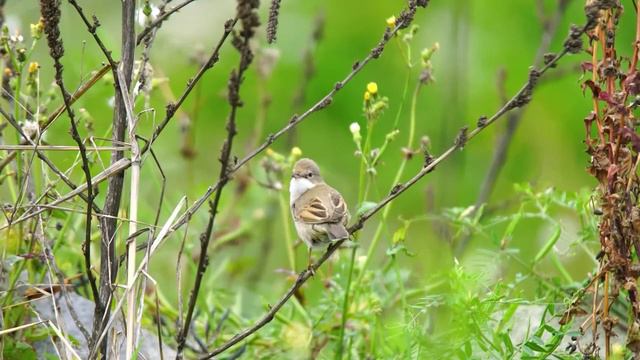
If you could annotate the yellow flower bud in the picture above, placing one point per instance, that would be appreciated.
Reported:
(367, 96)
(33, 67)
(372, 88)
(7, 72)
(270, 152)
(296, 152)
(37, 29)
(391, 22)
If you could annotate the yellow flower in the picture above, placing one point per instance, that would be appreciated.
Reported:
(33, 67)
(7, 72)
(296, 152)
(391, 22)
(36, 29)
(372, 88)
(270, 152)
(367, 96)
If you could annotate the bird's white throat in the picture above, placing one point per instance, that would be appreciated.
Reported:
(297, 187)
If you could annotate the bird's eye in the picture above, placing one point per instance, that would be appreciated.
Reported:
(309, 175)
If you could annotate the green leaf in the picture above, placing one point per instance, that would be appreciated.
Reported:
(18, 350)
(549, 245)
(506, 340)
(534, 346)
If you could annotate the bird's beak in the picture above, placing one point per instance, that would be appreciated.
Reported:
(294, 176)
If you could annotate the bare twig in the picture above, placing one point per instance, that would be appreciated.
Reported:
(50, 10)
(109, 172)
(51, 118)
(173, 107)
(153, 246)
(518, 100)
(47, 161)
(157, 23)
(59, 147)
(550, 27)
(248, 17)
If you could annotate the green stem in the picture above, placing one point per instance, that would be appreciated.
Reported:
(345, 306)
(396, 180)
(284, 213)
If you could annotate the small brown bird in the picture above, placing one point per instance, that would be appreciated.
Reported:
(319, 212)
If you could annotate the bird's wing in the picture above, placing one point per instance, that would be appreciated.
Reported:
(320, 204)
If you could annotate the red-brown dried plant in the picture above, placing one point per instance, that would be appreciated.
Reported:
(613, 143)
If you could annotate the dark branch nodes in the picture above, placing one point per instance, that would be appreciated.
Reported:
(324, 103)
(482, 121)
(428, 159)
(396, 189)
(461, 138)
(574, 43)
(95, 25)
(272, 24)
(525, 95)
(549, 59)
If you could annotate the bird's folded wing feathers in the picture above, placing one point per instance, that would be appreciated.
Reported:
(318, 207)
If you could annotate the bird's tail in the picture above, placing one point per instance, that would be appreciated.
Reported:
(337, 231)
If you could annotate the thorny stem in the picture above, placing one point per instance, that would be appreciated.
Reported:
(515, 102)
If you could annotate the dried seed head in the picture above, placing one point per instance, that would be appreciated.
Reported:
(272, 24)
(50, 10)
(574, 43)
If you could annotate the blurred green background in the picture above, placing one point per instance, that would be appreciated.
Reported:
(477, 38)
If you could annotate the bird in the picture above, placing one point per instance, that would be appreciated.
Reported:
(319, 211)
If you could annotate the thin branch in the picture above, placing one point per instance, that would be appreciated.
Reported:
(246, 12)
(51, 118)
(517, 101)
(47, 161)
(550, 27)
(59, 147)
(108, 265)
(157, 23)
(92, 26)
(173, 107)
(109, 172)
(50, 10)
